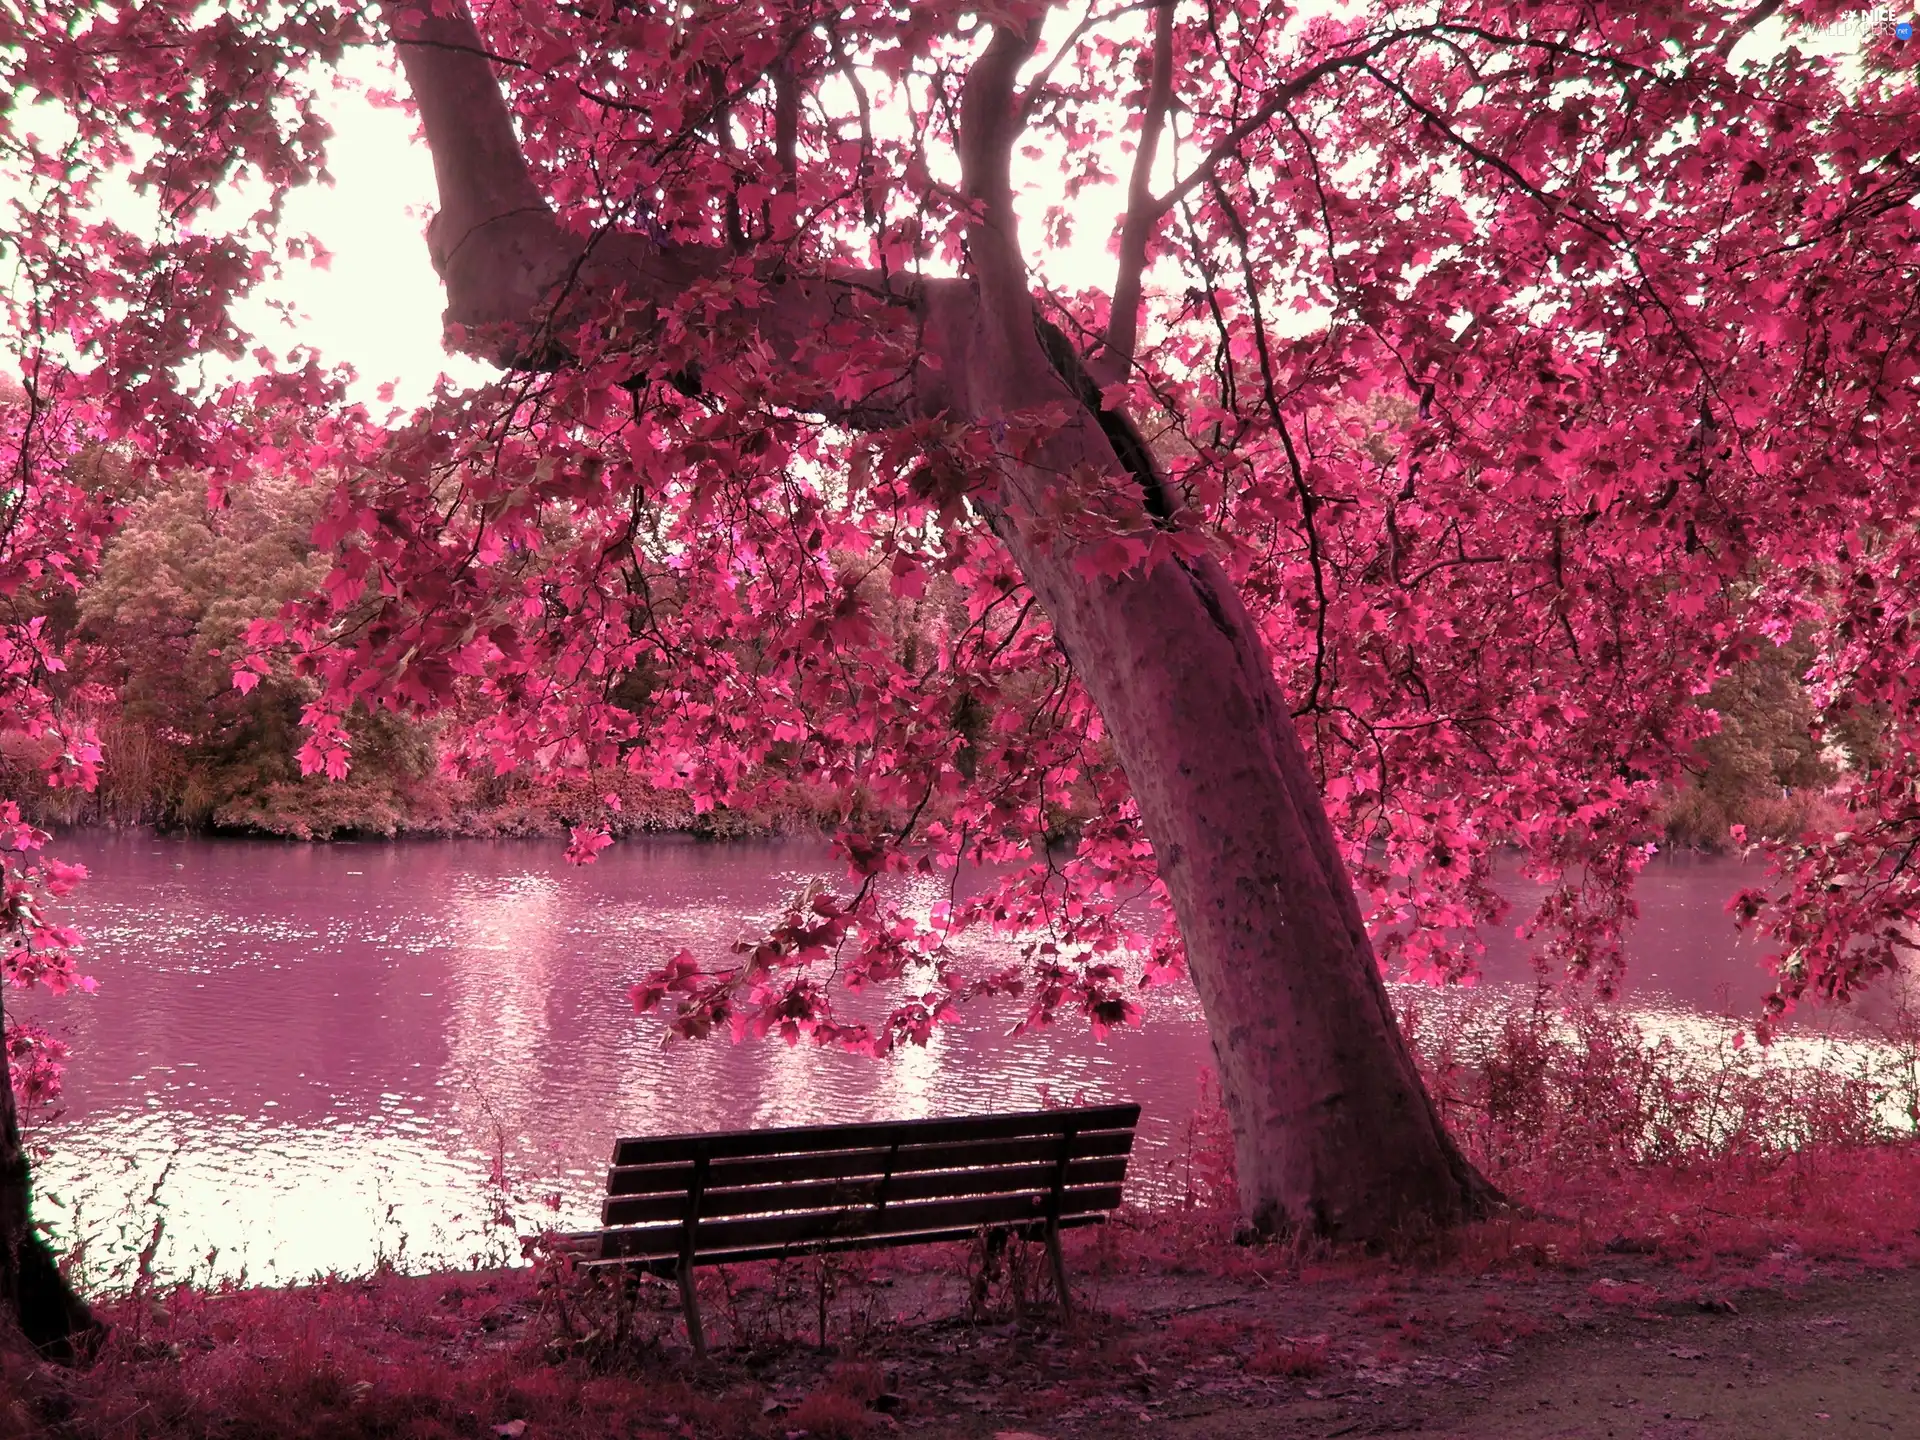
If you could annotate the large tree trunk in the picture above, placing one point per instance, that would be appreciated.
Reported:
(1333, 1131)
(33, 1292)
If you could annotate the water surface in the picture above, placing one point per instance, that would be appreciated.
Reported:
(310, 1058)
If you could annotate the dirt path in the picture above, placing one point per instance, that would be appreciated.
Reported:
(1837, 1358)
(1609, 1357)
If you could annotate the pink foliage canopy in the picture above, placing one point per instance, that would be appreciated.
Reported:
(51, 525)
(1611, 378)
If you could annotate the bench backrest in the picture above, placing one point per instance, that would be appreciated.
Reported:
(761, 1194)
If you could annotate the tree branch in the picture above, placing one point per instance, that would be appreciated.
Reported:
(1270, 392)
(478, 168)
(1277, 100)
(843, 63)
(990, 123)
(1007, 367)
(520, 285)
(1037, 87)
(1143, 212)
(786, 120)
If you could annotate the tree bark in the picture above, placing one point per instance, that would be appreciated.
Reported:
(33, 1292)
(1334, 1133)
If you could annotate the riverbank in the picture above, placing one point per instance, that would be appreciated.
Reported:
(319, 811)
(375, 804)
(1750, 1300)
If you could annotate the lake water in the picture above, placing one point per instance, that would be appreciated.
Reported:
(310, 1058)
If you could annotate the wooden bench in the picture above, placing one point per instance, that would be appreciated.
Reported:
(678, 1202)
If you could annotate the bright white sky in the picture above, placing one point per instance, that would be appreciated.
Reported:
(377, 304)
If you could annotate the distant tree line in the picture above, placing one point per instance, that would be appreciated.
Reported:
(159, 629)
(154, 638)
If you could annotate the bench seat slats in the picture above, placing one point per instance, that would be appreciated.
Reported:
(783, 1231)
(833, 1195)
(911, 1157)
(586, 1247)
(677, 1202)
(655, 1150)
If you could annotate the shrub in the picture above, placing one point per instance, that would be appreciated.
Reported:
(1546, 1095)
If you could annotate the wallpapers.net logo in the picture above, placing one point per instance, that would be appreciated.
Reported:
(1871, 25)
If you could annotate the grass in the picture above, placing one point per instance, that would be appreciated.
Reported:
(1167, 1293)
(471, 1355)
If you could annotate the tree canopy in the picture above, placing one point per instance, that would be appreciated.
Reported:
(1508, 375)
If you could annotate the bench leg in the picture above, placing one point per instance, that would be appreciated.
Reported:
(823, 1280)
(690, 1303)
(1059, 1273)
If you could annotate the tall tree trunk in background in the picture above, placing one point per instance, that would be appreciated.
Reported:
(33, 1292)
(1334, 1132)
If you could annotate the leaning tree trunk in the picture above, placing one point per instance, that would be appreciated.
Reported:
(1334, 1133)
(33, 1292)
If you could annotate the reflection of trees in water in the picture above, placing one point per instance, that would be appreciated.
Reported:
(913, 1078)
(686, 1086)
(502, 967)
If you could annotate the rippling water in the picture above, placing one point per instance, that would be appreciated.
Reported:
(310, 1058)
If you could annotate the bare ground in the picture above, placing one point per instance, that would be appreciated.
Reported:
(1625, 1347)
(1835, 1356)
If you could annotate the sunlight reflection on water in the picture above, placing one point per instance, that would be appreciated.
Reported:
(314, 1058)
